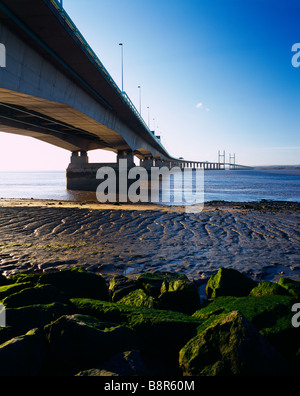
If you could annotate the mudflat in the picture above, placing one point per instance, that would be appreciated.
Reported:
(262, 240)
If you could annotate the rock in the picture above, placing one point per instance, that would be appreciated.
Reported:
(7, 290)
(39, 294)
(76, 282)
(292, 286)
(161, 333)
(179, 295)
(78, 342)
(229, 282)
(267, 288)
(231, 346)
(265, 312)
(23, 319)
(129, 363)
(24, 355)
(22, 278)
(96, 373)
(121, 286)
(138, 298)
(152, 282)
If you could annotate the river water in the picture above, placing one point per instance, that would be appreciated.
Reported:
(230, 185)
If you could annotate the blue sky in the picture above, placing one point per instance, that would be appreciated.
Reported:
(216, 75)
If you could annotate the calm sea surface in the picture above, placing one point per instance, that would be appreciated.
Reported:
(252, 185)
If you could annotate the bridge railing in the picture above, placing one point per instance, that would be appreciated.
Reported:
(100, 65)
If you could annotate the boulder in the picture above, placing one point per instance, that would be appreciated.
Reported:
(78, 342)
(7, 290)
(138, 298)
(171, 291)
(179, 295)
(39, 294)
(76, 282)
(129, 363)
(24, 355)
(160, 333)
(22, 278)
(152, 282)
(292, 286)
(229, 282)
(121, 286)
(21, 320)
(265, 312)
(231, 346)
(267, 288)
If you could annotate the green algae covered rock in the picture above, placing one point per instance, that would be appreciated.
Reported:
(231, 346)
(121, 286)
(39, 294)
(229, 282)
(22, 319)
(21, 278)
(263, 312)
(152, 282)
(24, 355)
(13, 288)
(179, 295)
(271, 315)
(76, 282)
(292, 286)
(128, 363)
(79, 341)
(160, 332)
(171, 291)
(138, 298)
(267, 288)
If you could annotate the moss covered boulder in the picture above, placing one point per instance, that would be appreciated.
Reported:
(121, 286)
(152, 282)
(161, 333)
(270, 314)
(179, 295)
(265, 312)
(22, 319)
(231, 346)
(76, 282)
(139, 298)
(229, 282)
(13, 288)
(79, 342)
(39, 294)
(24, 355)
(129, 363)
(171, 291)
(267, 288)
(292, 286)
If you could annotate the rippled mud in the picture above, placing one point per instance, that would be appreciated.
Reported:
(262, 242)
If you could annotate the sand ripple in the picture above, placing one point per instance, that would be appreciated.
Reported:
(262, 245)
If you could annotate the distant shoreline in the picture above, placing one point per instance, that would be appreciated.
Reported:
(255, 205)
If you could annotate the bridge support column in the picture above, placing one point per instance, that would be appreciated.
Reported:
(147, 163)
(78, 159)
(126, 154)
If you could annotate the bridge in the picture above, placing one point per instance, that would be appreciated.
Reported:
(54, 88)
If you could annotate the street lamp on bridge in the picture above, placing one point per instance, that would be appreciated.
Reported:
(122, 65)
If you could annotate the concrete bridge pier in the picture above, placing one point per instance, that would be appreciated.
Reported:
(81, 175)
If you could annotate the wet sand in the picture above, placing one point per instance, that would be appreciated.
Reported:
(260, 240)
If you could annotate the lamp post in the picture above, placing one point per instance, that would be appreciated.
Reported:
(139, 87)
(122, 65)
(148, 116)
